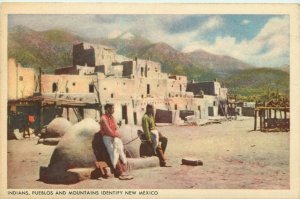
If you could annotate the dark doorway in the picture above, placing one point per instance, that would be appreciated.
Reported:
(124, 113)
(91, 88)
(54, 87)
(142, 72)
(135, 118)
(199, 109)
(148, 89)
(210, 111)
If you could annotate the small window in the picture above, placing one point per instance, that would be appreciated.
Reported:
(124, 83)
(215, 103)
(74, 84)
(148, 89)
(104, 89)
(21, 78)
(175, 107)
(112, 95)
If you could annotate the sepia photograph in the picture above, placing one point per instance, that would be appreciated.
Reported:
(141, 103)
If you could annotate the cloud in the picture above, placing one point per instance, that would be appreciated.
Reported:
(157, 33)
(211, 24)
(245, 22)
(270, 47)
(114, 34)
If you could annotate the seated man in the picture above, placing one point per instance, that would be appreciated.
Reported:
(153, 137)
(113, 143)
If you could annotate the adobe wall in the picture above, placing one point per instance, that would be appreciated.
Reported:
(67, 83)
(212, 105)
(94, 55)
(132, 88)
(22, 81)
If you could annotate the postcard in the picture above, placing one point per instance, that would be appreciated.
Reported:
(149, 100)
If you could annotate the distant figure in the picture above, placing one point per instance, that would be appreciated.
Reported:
(29, 121)
(153, 137)
(113, 143)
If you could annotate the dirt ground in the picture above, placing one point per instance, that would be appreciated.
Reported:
(233, 158)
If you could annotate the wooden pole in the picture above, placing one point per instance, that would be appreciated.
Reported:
(264, 118)
(68, 114)
(284, 114)
(41, 115)
(260, 119)
(255, 119)
(40, 80)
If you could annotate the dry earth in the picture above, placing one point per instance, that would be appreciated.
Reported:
(233, 158)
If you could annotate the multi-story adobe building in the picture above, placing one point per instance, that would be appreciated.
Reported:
(100, 76)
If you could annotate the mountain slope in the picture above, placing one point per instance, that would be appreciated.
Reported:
(130, 47)
(256, 84)
(49, 49)
(218, 63)
(53, 49)
(173, 60)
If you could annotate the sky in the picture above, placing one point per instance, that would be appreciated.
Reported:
(261, 40)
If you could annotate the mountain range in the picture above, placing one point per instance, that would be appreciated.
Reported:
(52, 49)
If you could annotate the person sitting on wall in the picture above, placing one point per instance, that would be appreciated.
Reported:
(153, 137)
(113, 143)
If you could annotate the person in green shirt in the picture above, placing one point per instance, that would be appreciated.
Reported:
(153, 137)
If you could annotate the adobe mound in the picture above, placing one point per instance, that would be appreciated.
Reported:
(58, 127)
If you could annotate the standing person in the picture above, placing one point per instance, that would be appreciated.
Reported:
(29, 123)
(153, 137)
(113, 143)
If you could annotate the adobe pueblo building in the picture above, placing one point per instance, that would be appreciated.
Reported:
(99, 76)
